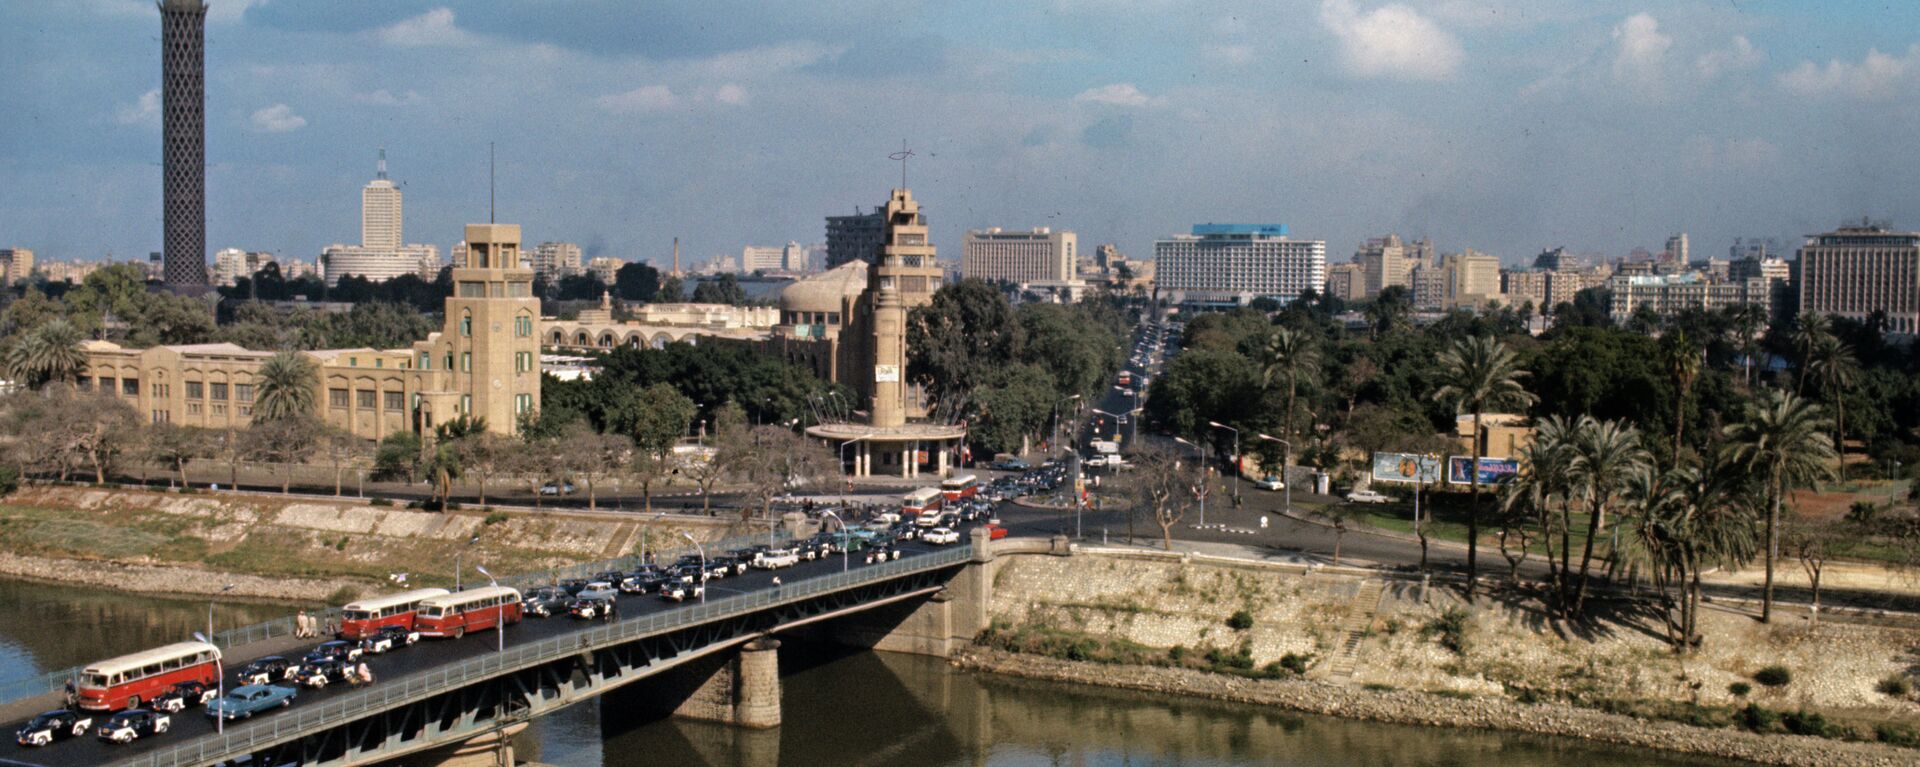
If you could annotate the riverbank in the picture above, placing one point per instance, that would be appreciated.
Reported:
(1419, 708)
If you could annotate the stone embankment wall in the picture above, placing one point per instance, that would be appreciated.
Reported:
(293, 548)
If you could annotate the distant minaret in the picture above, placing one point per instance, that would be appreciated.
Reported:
(183, 141)
(676, 256)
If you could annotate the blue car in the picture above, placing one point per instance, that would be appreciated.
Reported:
(242, 702)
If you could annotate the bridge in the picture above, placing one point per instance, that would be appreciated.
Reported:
(456, 703)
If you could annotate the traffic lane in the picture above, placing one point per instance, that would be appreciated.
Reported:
(432, 653)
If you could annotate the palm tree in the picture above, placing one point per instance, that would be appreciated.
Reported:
(47, 354)
(1291, 356)
(1833, 366)
(1782, 442)
(284, 387)
(1746, 321)
(1601, 459)
(1807, 334)
(1682, 360)
(1477, 375)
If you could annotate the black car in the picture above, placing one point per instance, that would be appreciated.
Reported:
(645, 579)
(729, 565)
(324, 672)
(388, 638)
(51, 726)
(182, 695)
(882, 552)
(610, 576)
(132, 724)
(272, 668)
(573, 585)
(687, 574)
(904, 531)
(337, 649)
(592, 608)
(544, 601)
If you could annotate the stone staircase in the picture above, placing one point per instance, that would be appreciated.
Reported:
(1365, 604)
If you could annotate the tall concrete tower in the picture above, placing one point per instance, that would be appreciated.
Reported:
(905, 277)
(184, 138)
(380, 225)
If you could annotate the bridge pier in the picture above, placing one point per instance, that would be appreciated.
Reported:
(492, 749)
(743, 691)
(939, 626)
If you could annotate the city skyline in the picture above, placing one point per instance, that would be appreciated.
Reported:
(1507, 128)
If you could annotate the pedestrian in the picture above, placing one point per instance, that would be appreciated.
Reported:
(301, 628)
(364, 673)
(72, 696)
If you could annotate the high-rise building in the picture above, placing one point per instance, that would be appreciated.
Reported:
(380, 211)
(1460, 281)
(1855, 271)
(1032, 256)
(1669, 293)
(605, 268)
(1388, 261)
(1556, 260)
(855, 237)
(790, 257)
(230, 264)
(1676, 252)
(1236, 263)
(1347, 282)
(554, 260)
(16, 264)
(183, 139)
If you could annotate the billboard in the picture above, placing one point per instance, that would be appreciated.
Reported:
(1406, 467)
(1493, 471)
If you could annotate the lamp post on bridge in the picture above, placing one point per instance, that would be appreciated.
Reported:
(1286, 483)
(703, 563)
(1202, 453)
(219, 667)
(500, 614)
(1236, 456)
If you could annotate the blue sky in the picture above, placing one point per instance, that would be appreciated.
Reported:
(1507, 126)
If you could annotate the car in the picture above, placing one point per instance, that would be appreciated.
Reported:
(640, 581)
(1269, 482)
(1121, 420)
(324, 672)
(731, 565)
(1367, 496)
(573, 585)
(54, 725)
(388, 638)
(598, 590)
(995, 531)
(243, 702)
(338, 649)
(562, 488)
(272, 668)
(131, 724)
(610, 576)
(774, 559)
(904, 532)
(182, 695)
(687, 574)
(593, 607)
(885, 552)
(940, 536)
(1096, 461)
(681, 591)
(1126, 392)
(544, 601)
(1010, 464)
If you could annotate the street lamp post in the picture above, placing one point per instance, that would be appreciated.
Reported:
(500, 612)
(1056, 418)
(1202, 452)
(843, 537)
(1285, 483)
(645, 528)
(219, 669)
(1236, 456)
(457, 553)
(703, 563)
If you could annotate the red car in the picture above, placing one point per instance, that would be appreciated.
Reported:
(996, 532)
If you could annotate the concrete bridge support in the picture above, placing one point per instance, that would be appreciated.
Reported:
(493, 749)
(743, 690)
(939, 625)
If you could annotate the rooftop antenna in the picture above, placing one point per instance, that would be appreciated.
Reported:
(489, 182)
(676, 256)
(902, 156)
(382, 173)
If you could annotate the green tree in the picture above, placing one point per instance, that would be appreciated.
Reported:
(176, 446)
(724, 289)
(47, 354)
(282, 443)
(1015, 402)
(636, 282)
(1808, 334)
(1682, 360)
(398, 456)
(1478, 375)
(443, 458)
(952, 342)
(672, 290)
(659, 418)
(1782, 441)
(285, 387)
(1832, 365)
(1601, 460)
(1291, 356)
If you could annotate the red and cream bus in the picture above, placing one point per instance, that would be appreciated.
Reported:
(956, 488)
(130, 680)
(362, 619)
(921, 502)
(453, 615)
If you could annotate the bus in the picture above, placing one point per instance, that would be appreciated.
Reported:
(956, 488)
(362, 619)
(1126, 378)
(129, 680)
(923, 502)
(453, 615)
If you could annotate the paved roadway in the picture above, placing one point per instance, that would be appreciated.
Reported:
(427, 654)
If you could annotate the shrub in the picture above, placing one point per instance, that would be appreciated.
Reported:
(1240, 621)
(9, 480)
(1296, 662)
(1896, 685)
(381, 502)
(1177, 653)
(1223, 660)
(1773, 676)
(1863, 512)
(1450, 628)
(1757, 719)
(1378, 687)
(1806, 723)
(1897, 734)
(494, 518)
(1740, 689)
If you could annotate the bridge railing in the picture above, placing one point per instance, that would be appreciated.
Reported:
(54, 681)
(299, 721)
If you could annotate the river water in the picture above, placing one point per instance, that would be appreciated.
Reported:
(854, 708)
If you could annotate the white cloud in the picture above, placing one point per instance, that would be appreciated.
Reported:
(1704, 153)
(1392, 41)
(647, 98)
(387, 98)
(278, 118)
(433, 28)
(1232, 55)
(144, 111)
(731, 94)
(1740, 57)
(1878, 76)
(1642, 50)
(1117, 94)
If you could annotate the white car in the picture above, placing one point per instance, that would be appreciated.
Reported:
(598, 590)
(1367, 496)
(1269, 482)
(776, 558)
(940, 536)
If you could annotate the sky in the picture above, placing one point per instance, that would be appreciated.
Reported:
(1507, 126)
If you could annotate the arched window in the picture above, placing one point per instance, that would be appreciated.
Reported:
(466, 323)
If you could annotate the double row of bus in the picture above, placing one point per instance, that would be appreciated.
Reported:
(131, 680)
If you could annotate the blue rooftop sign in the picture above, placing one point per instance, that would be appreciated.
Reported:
(1263, 230)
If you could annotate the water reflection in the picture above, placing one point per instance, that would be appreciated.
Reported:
(45, 626)
(864, 708)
